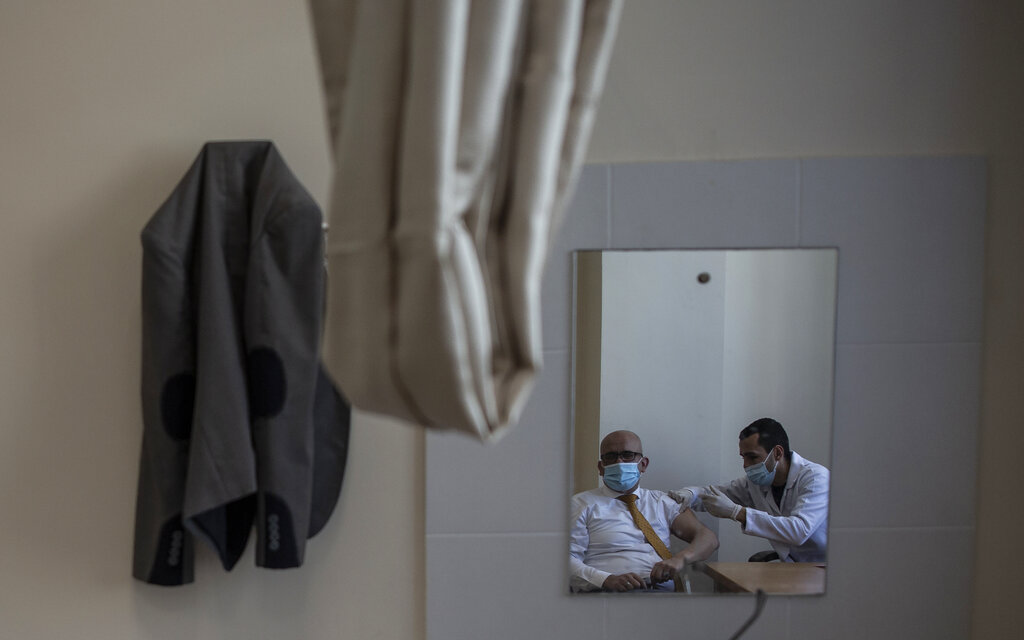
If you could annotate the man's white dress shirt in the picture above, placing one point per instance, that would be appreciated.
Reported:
(604, 540)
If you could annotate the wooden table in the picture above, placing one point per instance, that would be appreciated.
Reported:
(803, 578)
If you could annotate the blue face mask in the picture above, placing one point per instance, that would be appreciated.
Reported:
(759, 473)
(621, 476)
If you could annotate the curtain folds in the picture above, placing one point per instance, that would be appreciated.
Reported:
(458, 129)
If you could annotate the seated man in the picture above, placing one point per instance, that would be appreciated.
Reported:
(782, 497)
(607, 547)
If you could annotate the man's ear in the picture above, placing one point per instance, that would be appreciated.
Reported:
(643, 464)
(600, 468)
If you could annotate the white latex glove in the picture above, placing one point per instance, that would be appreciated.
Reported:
(718, 504)
(683, 496)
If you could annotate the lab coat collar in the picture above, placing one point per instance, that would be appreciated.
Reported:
(796, 463)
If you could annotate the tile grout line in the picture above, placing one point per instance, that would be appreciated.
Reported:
(500, 534)
(906, 343)
(799, 203)
(917, 528)
(608, 206)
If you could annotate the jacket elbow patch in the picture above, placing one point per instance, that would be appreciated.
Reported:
(267, 388)
(177, 401)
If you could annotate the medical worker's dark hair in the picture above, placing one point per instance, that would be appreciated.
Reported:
(769, 434)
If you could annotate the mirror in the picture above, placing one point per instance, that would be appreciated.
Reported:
(688, 347)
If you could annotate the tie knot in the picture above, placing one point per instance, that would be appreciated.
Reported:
(629, 498)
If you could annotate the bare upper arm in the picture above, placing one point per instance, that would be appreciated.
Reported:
(686, 525)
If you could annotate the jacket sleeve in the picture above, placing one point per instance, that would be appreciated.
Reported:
(163, 549)
(283, 325)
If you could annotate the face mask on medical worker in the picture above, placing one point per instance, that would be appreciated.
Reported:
(759, 473)
(622, 476)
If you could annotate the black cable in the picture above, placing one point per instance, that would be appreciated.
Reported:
(758, 607)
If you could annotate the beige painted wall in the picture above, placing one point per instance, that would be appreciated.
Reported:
(103, 105)
(742, 79)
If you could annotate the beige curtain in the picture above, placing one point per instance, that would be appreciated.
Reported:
(458, 129)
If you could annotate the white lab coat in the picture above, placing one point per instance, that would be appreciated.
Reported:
(798, 529)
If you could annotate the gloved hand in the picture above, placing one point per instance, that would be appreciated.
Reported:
(718, 504)
(683, 496)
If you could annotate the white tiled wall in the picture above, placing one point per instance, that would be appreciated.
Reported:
(910, 238)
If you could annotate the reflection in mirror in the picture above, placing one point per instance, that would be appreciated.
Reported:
(686, 348)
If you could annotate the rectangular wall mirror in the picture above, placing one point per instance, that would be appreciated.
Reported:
(686, 348)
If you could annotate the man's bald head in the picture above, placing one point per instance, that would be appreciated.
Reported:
(621, 440)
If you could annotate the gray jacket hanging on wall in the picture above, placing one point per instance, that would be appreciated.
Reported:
(241, 425)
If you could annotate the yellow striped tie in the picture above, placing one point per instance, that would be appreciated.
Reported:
(649, 534)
